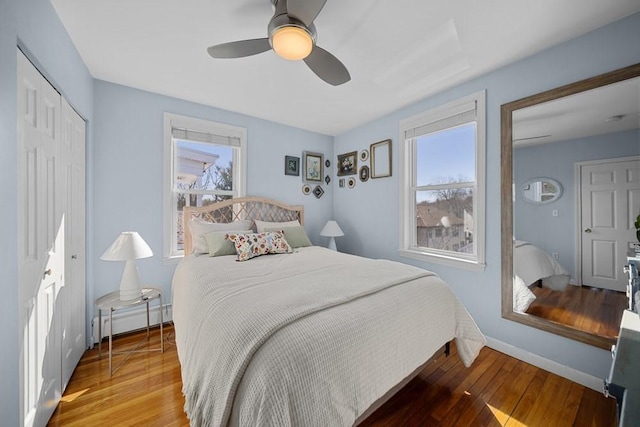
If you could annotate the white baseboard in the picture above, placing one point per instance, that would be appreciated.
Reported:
(131, 320)
(574, 375)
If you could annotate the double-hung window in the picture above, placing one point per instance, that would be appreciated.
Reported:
(442, 164)
(205, 162)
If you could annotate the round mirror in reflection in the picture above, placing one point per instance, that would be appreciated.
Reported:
(541, 190)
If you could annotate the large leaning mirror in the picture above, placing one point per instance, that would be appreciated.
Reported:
(585, 137)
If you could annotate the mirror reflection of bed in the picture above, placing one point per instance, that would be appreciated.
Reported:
(562, 272)
(542, 288)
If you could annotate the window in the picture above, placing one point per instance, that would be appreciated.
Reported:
(204, 162)
(442, 164)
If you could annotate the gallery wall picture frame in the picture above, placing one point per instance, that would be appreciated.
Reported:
(351, 182)
(380, 153)
(348, 163)
(318, 191)
(312, 167)
(341, 183)
(364, 155)
(364, 173)
(306, 189)
(292, 165)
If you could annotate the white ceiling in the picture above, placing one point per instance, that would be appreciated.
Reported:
(397, 51)
(581, 115)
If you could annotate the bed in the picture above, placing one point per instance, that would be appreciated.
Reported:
(530, 265)
(309, 337)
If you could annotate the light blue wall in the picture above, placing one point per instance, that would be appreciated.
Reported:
(34, 25)
(368, 214)
(127, 171)
(125, 142)
(535, 223)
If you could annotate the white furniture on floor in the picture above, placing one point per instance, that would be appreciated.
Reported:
(112, 302)
(625, 370)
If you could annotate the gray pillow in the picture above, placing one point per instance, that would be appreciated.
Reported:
(296, 236)
(218, 243)
(199, 228)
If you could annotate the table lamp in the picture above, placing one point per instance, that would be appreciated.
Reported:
(332, 230)
(128, 247)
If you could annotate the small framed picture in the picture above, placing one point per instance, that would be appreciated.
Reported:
(351, 182)
(306, 189)
(318, 191)
(292, 165)
(380, 159)
(341, 183)
(348, 163)
(364, 173)
(312, 167)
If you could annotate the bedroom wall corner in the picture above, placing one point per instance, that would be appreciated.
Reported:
(128, 168)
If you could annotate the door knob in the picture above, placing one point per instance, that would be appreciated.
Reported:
(74, 256)
(47, 272)
(587, 230)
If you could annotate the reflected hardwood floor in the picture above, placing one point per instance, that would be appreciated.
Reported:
(497, 390)
(588, 309)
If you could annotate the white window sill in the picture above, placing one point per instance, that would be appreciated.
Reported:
(444, 260)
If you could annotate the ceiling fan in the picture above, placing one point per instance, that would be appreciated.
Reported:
(292, 35)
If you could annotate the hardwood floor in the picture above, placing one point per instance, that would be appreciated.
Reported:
(497, 390)
(589, 309)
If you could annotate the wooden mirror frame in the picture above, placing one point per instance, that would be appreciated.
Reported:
(506, 199)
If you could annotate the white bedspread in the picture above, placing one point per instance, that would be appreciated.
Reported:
(532, 263)
(309, 338)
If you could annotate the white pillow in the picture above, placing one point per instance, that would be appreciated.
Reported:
(522, 295)
(198, 228)
(262, 225)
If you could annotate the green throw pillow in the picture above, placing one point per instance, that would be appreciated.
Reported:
(219, 245)
(296, 236)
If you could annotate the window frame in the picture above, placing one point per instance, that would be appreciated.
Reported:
(170, 253)
(408, 240)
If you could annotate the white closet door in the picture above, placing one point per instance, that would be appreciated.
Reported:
(73, 158)
(40, 243)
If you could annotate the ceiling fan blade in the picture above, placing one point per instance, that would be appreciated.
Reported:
(240, 48)
(305, 10)
(327, 67)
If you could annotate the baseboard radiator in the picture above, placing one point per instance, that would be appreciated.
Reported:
(130, 320)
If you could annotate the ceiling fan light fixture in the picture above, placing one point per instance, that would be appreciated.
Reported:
(292, 42)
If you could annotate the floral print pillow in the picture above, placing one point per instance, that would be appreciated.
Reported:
(251, 245)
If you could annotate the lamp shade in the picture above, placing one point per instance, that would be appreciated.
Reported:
(331, 229)
(129, 245)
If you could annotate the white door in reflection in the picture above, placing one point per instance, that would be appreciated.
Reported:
(610, 201)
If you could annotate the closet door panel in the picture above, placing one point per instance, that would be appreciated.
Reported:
(41, 269)
(74, 332)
